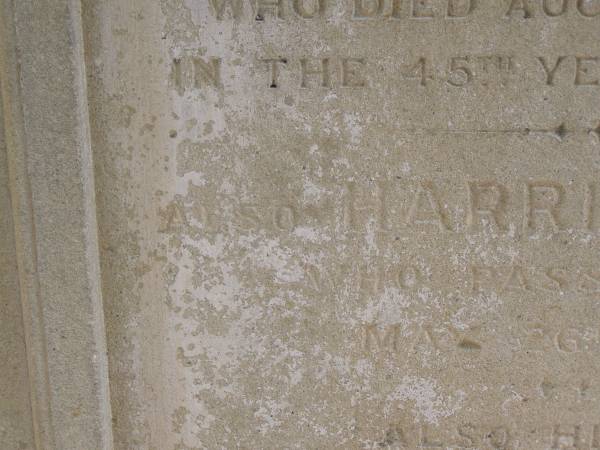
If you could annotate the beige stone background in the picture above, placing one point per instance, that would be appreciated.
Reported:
(386, 261)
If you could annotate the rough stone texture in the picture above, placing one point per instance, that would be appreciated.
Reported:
(53, 207)
(15, 410)
(257, 241)
(359, 225)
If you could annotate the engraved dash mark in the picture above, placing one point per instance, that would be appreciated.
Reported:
(560, 132)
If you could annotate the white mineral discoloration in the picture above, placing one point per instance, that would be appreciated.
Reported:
(312, 234)
(391, 304)
(312, 191)
(354, 128)
(428, 403)
(241, 276)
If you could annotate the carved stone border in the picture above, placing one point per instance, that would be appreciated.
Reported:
(42, 75)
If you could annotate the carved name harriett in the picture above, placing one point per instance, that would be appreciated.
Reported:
(521, 209)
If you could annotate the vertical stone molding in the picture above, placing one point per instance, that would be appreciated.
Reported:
(299, 224)
(53, 208)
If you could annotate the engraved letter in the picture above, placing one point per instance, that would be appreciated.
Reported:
(550, 72)
(370, 282)
(422, 9)
(465, 432)
(589, 206)
(274, 70)
(276, 6)
(179, 76)
(477, 272)
(565, 440)
(362, 10)
(455, 11)
(324, 72)
(581, 7)
(589, 283)
(194, 72)
(408, 277)
(499, 438)
(516, 280)
(395, 434)
(389, 340)
(424, 440)
(520, 5)
(247, 217)
(487, 200)
(552, 12)
(219, 7)
(557, 279)
(305, 13)
(350, 75)
(568, 341)
(284, 218)
(174, 217)
(209, 72)
(426, 190)
(313, 276)
(542, 199)
(396, 9)
(351, 208)
(596, 438)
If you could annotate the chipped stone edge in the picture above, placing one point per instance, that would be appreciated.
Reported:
(68, 377)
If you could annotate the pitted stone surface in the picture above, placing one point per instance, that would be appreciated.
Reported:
(348, 224)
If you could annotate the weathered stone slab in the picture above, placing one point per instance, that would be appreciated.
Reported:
(349, 225)
(52, 210)
(322, 223)
(15, 410)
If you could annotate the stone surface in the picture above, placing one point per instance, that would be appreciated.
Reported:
(15, 412)
(321, 224)
(50, 171)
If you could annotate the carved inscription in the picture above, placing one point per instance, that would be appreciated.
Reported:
(575, 70)
(192, 72)
(393, 339)
(561, 436)
(354, 71)
(549, 279)
(563, 339)
(418, 10)
(463, 436)
(319, 72)
(320, 241)
(463, 71)
(519, 210)
(575, 436)
(527, 9)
